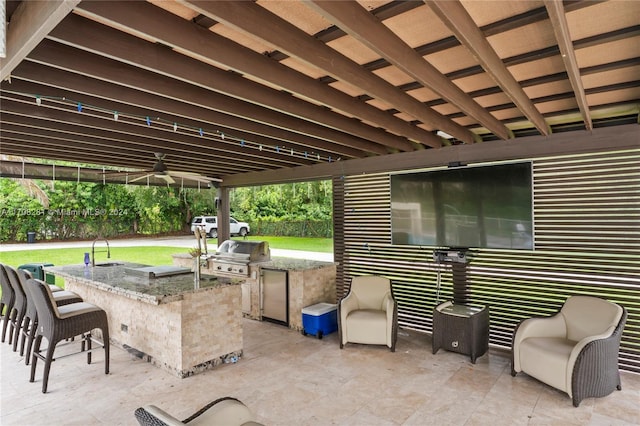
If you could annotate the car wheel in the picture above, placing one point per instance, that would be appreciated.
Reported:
(213, 233)
(243, 232)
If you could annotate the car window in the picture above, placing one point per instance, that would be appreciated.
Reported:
(233, 220)
(197, 220)
(211, 220)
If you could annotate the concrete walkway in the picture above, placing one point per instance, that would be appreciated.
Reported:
(187, 241)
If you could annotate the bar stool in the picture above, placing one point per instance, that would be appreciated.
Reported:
(16, 315)
(30, 321)
(64, 322)
(7, 300)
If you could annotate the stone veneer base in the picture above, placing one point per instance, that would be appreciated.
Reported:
(184, 334)
(209, 365)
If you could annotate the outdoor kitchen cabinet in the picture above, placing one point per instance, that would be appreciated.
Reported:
(308, 282)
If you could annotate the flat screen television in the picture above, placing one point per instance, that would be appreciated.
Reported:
(464, 207)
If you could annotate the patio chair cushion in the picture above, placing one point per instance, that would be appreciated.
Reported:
(367, 326)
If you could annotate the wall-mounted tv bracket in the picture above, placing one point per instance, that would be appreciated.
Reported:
(450, 255)
(458, 259)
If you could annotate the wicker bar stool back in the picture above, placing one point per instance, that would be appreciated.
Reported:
(19, 307)
(30, 321)
(64, 322)
(25, 274)
(7, 300)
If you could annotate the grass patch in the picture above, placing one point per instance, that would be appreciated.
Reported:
(320, 245)
(150, 255)
(73, 256)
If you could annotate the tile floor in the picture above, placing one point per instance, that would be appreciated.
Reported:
(289, 379)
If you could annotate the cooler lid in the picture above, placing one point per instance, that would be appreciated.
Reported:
(319, 309)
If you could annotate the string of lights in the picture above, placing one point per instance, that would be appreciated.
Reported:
(202, 132)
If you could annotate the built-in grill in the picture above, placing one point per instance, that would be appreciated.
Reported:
(233, 258)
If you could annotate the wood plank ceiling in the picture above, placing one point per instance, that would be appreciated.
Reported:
(230, 87)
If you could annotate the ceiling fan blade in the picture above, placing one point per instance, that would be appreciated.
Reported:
(169, 179)
(194, 176)
(141, 177)
(124, 172)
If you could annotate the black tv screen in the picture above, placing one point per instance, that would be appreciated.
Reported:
(463, 207)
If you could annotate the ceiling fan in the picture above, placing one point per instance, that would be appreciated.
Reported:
(161, 171)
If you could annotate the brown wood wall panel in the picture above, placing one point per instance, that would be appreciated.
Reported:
(587, 240)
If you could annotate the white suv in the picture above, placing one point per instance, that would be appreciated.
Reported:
(210, 225)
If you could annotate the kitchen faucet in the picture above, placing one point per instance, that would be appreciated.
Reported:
(93, 255)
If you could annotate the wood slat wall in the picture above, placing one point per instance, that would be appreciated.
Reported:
(587, 241)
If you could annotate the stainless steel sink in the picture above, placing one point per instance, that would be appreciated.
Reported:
(110, 264)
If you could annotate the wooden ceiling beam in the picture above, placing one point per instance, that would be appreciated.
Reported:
(84, 149)
(109, 70)
(117, 136)
(31, 146)
(86, 34)
(28, 149)
(18, 170)
(139, 155)
(85, 64)
(556, 12)
(57, 82)
(30, 24)
(371, 32)
(386, 11)
(16, 143)
(151, 21)
(19, 86)
(182, 139)
(251, 18)
(455, 16)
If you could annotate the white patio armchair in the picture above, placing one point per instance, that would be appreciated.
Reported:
(575, 350)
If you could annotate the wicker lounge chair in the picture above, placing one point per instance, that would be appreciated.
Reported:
(64, 322)
(7, 300)
(575, 350)
(225, 411)
(369, 313)
(30, 321)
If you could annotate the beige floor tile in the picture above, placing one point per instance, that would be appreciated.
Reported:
(290, 379)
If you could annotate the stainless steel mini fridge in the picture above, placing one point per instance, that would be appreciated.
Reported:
(275, 295)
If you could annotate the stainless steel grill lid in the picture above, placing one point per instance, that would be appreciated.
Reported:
(244, 251)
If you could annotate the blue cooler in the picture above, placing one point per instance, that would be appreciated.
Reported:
(320, 319)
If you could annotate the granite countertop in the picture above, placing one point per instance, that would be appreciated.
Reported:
(281, 263)
(124, 278)
(294, 264)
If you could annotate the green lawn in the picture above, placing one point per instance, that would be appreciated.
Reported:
(321, 245)
(148, 255)
(69, 256)
(152, 255)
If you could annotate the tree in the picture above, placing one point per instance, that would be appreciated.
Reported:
(21, 212)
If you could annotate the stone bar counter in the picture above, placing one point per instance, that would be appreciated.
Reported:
(161, 314)
(309, 282)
